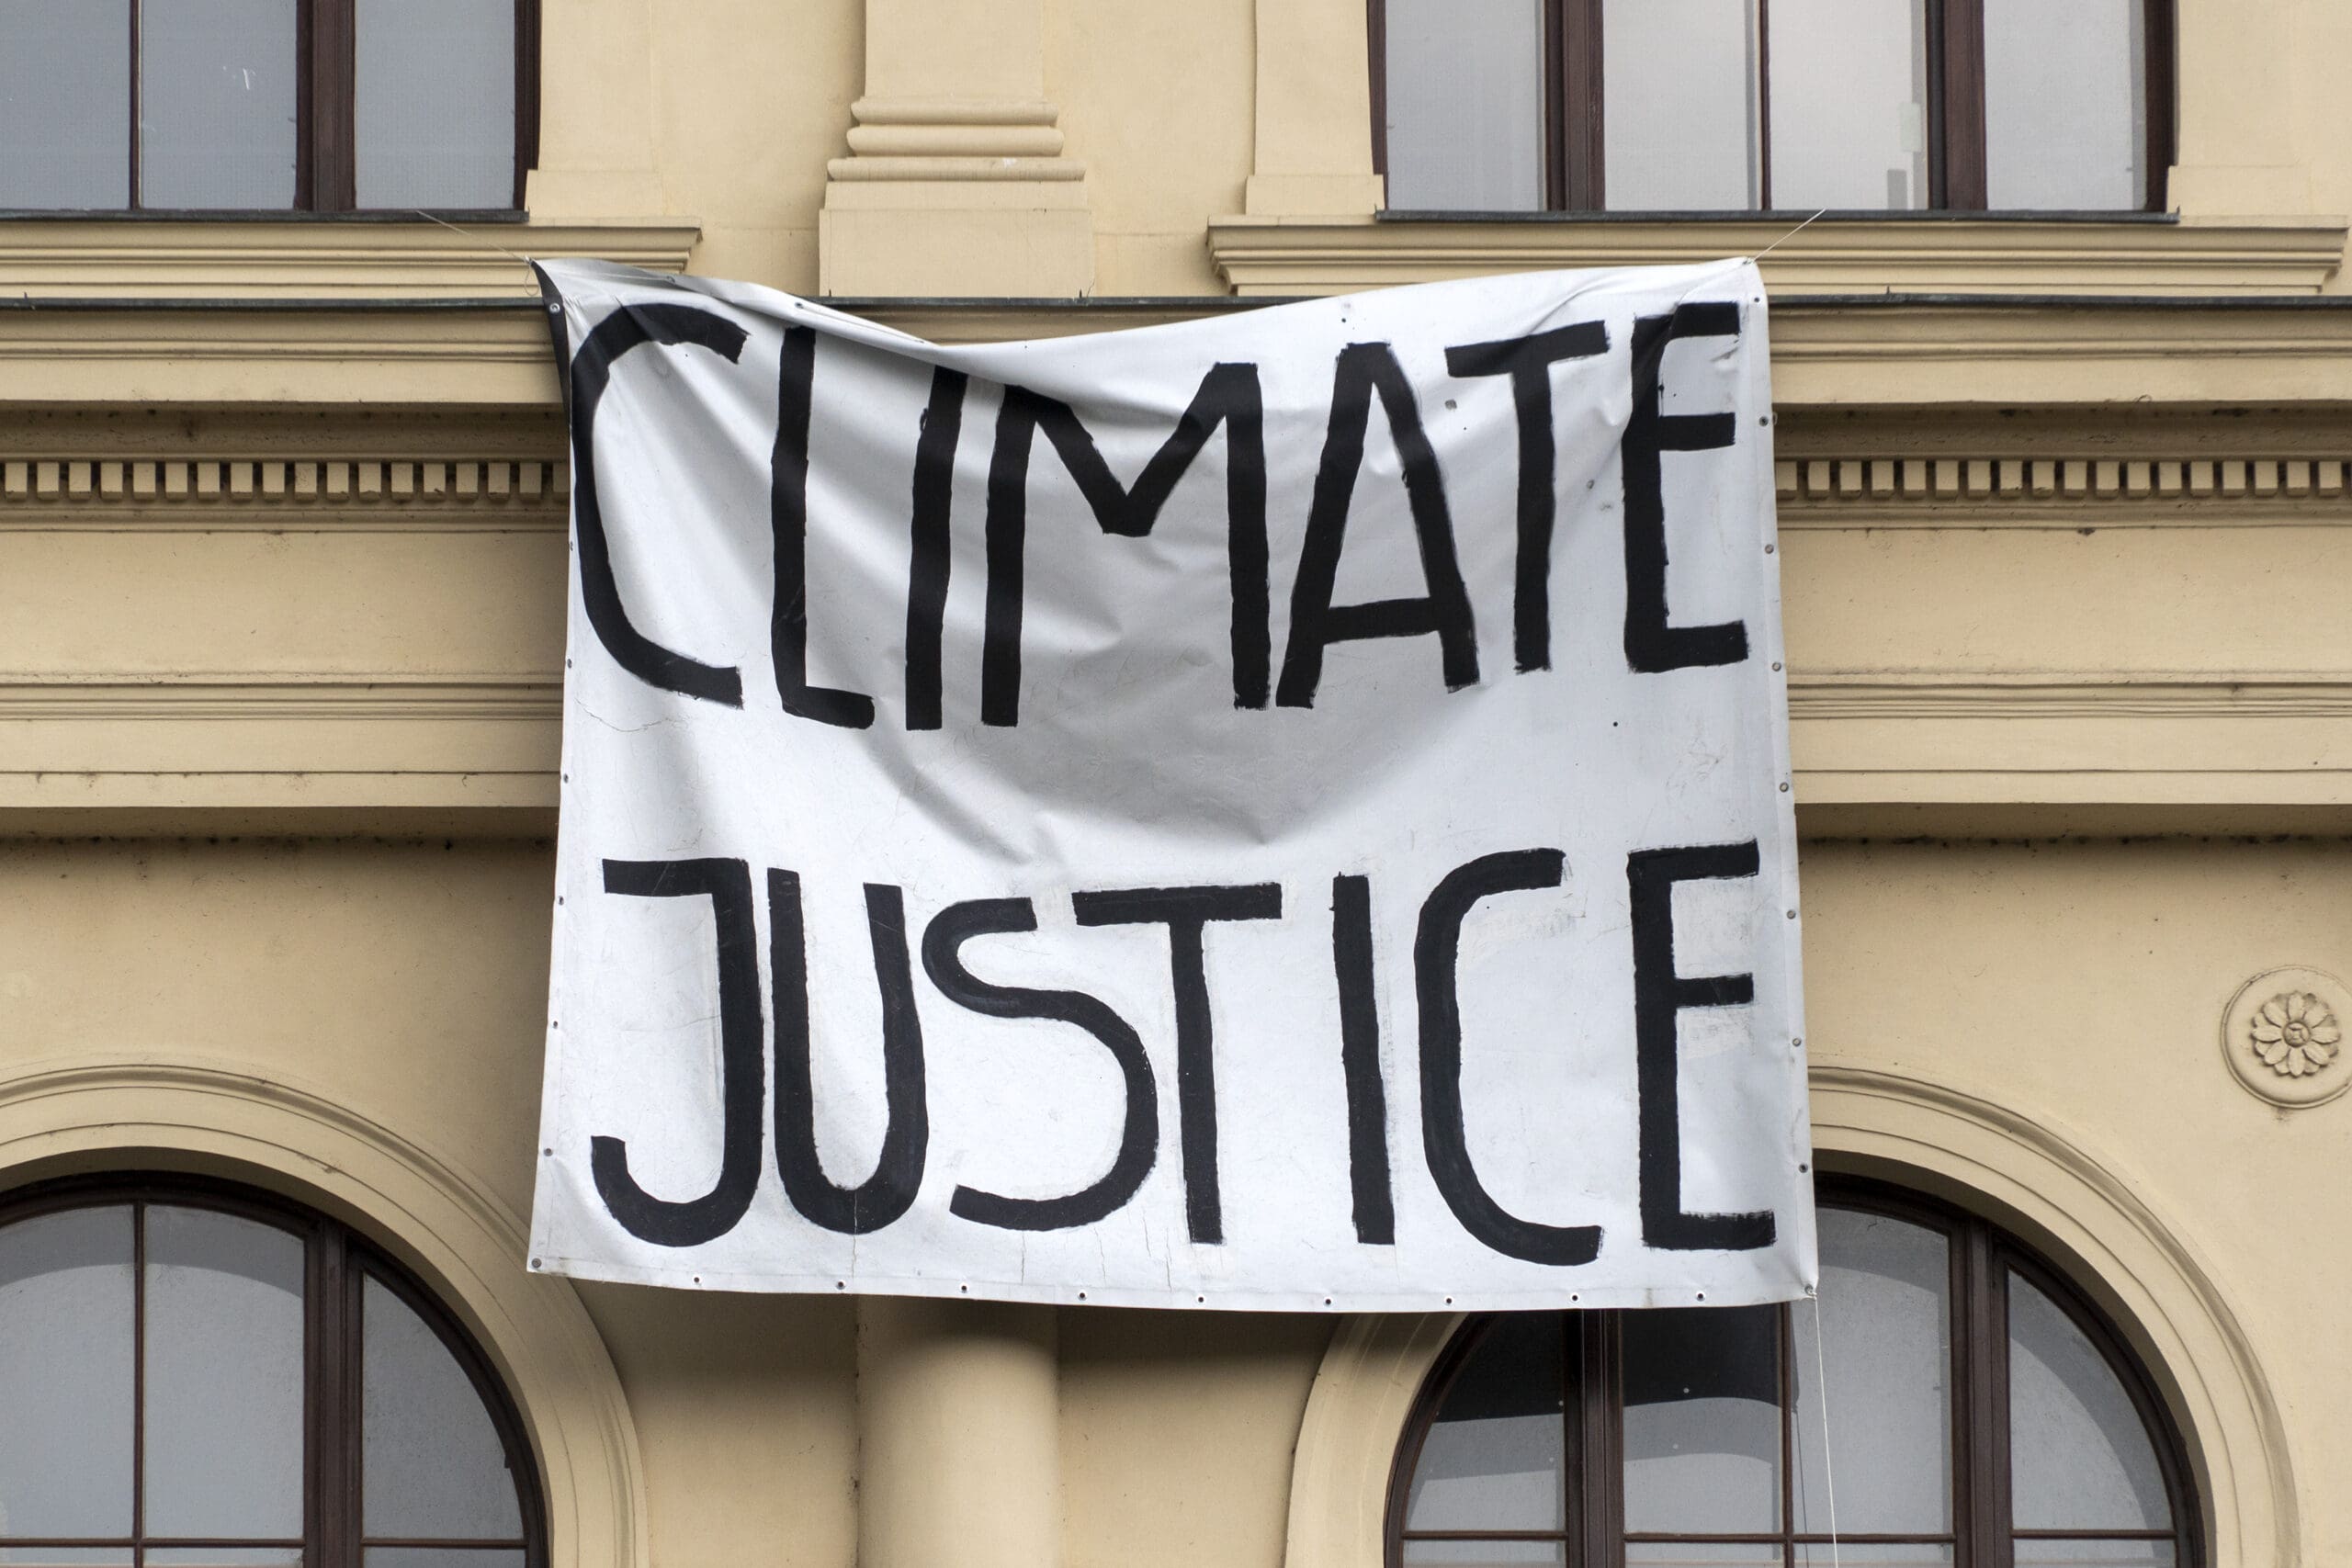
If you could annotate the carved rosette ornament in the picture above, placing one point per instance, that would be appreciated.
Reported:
(2283, 1037)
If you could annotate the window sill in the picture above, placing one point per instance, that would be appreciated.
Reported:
(2138, 255)
(332, 258)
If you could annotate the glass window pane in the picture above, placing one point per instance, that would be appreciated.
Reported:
(65, 104)
(1702, 1419)
(1486, 1555)
(434, 110)
(2065, 105)
(1466, 105)
(1849, 103)
(1886, 1347)
(66, 1556)
(66, 1347)
(223, 1556)
(442, 1557)
(224, 1377)
(1702, 1554)
(216, 126)
(1492, 1458)
(2079, 1455)
(2095, 1554)
(1679, 79)
(433, 1467)
(1870, 1554)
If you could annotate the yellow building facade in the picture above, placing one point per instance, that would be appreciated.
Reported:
(2067, 522)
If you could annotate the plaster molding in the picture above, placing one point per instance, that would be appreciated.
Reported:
(1828, 358)
(2282, 1037)
(128, 259)
(2109, 489)
(292, 739)
(153, 1111)
(1293, 256)
(2027, 1170)
(279, 359)
(1356, 1410)
(104, 493)
(955, 180)
(2178, 465)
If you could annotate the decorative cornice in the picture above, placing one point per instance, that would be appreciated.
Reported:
(2069, 491)
(1827, 357)
(133, 259)
(490, 740)
(222, 697)
(107, 494)
(1336, 255)
(1874, 696)
(100, 491)
(1814, 696)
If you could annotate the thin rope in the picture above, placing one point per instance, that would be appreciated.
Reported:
(1768, 251)
(1821, 1373)
(510, 255)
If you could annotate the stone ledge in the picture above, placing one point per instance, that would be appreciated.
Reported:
(124, 258)
(2256, 741)
(1272, 255)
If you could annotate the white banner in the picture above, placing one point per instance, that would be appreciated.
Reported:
(1285, 810)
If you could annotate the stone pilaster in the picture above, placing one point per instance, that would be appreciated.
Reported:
(956, 183)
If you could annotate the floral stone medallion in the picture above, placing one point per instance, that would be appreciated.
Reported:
(2283, 1037)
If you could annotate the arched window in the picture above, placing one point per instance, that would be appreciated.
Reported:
(1978, 1414)
(267, 105)
(196, 1376)
(1634, 106)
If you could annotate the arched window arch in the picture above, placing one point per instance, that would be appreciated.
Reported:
(195, 1375)
(1744, 105)
(1979, 1414)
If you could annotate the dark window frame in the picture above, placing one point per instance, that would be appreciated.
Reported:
(337, 1263)
(1982, 1534)
(326, 37)
(1575, 109)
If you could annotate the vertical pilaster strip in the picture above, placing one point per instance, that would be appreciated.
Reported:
(956, 184)
(959, 1447)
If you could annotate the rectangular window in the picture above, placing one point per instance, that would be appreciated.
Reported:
(267, 106)
(1790, 106)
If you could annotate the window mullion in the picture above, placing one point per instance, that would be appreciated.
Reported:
(1599, 1465)
(1764, 105)
(137, 95)
(1576, 177)
(1956, 109)
(1981, 1449)
(526, 95)
(331, 1414)
(1788, 1394)
(137, 1374)
(2158, 85)
(329, 67)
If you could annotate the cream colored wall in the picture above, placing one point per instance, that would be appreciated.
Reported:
(1155, 98)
